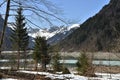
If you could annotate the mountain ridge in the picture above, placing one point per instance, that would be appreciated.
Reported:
(49, 33)
(99, 33)
(53, 34)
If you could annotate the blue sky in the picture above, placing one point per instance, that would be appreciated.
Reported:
(75, 10)
(80, 9)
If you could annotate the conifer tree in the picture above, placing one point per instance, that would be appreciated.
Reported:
(56, 63)
(82, 64)
(19, 36)
(40, 52)
(85, 66)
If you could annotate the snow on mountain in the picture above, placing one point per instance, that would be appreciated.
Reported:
(64, 29)
(53, 35)
(42, 33)
(53, 31)
(73, 26)
(62, 33)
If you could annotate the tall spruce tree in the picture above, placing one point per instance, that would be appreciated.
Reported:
(19, 37)
(40, 52)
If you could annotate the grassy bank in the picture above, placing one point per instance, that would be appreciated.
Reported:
(95, 55)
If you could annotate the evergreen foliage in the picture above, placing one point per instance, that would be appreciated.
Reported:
(56, 63)
(55, 58)
(40, 52)
(19, 36)
(82, 64)
(57, 66)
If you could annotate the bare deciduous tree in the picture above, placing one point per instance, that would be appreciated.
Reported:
(42, 10)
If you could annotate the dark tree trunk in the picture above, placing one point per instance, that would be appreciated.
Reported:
(5, 25)
(18, 62)
(44, 64)
(35, 68)
(25, 61)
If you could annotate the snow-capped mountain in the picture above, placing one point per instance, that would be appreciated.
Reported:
(62, 33)
(40, 32)
(54, 34)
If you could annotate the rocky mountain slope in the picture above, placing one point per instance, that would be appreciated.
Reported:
(62, 33)
(99, 33)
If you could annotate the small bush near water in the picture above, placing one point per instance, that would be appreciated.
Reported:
(66, 71)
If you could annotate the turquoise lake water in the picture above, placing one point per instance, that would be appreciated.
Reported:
(95, 62)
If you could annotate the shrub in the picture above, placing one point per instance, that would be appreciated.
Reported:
(65, 70)
(84, 66)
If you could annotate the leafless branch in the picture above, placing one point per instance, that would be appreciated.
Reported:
(34, 10)
(2, 3)
(33, 23)
(37, 10)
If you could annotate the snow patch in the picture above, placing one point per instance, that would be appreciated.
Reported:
(101, 76)
(8, 79)
(73, 26)
(41, 33)
(58, 76)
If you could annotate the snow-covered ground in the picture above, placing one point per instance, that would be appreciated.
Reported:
(58, 76)
(8, 79)
(101, 76)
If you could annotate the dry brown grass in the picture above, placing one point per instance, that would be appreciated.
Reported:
(96, 55)
(107, 69)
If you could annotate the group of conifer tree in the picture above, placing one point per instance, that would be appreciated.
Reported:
(20, 42)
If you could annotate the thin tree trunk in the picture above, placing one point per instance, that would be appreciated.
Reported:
(25, 61)
(44, 67)
(35, 65)
(18, 62)
(5, 25)
(43, 64)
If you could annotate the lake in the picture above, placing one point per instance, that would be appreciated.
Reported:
(106, 62)
(72, 62)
